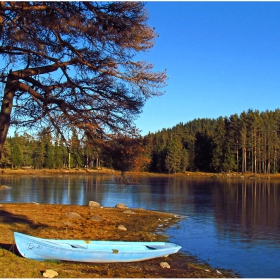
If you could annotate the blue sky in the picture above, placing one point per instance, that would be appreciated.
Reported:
(221, 58)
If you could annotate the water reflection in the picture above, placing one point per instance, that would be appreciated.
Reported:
(231, 223)
(248, 210)
(245, 209)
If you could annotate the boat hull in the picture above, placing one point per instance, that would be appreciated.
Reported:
(91, 251)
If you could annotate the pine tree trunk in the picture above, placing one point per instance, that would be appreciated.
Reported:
(244, 168)
(255, 152)
(274, 161)
(237, 159)
(268, 165)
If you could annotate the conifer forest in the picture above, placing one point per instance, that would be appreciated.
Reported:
(249, 142)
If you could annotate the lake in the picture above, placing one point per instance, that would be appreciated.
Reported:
(229, 223)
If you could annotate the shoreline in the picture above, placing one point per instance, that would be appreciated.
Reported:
(76, 171)
(51, 221)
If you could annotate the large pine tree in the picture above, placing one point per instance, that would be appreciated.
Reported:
(73, 64)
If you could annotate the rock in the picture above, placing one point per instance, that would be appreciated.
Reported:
(121, 206)
(129, 212)
(164, 265)
(94, 204)
(73, 215)
(49, 273)
(122, 227)
(95, 218)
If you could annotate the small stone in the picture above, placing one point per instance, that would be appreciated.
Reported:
(94, 204)
(164, 265)
(121, 206)
(73, 215)
(49, 273)
(122, 227)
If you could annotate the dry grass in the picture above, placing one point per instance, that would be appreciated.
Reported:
(51, 221)
(134, 175)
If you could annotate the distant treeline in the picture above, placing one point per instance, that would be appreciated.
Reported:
(249, 142)
(44, 151)
(47, 151)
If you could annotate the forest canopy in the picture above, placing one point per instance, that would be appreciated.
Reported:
(71, 65)
(249, 142)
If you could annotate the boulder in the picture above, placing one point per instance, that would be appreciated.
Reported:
(121, 206)
(93, 204)
(73, 215)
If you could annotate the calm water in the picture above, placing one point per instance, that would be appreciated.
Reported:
(232, 224)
